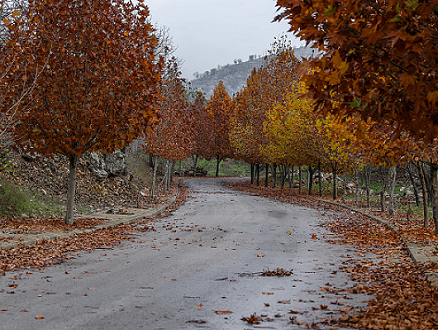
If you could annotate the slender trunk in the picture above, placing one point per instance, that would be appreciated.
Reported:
(425, 195)
(166, 175)
(73, 159)
(151, 160)
(392, 177)
(195, 164)
(382, 193)
(434, 170)
(266, 175)
(274, 175)
(344, 189)
(258, 174)
(284, 171)
(320, 179)
(172, 172)
(291, 177)
(218, 161)
(252, 173)
(154, 179)
(310, 172)
(335, 180)
(367, 184)
(414, 186)
(356, 183)
(300, 176)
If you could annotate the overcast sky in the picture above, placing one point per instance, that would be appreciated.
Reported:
(209, 33)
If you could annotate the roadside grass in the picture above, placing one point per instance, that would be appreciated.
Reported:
(17, 201)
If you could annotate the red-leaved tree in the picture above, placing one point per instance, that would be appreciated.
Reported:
(99, 87)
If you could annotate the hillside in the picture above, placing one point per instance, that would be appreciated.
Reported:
(234, 76)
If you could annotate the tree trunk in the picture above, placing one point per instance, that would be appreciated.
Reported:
(218, 161)
(367, 184)
(73, 159)
(310, 173)
(425, 195)
(172, 172)
(252, 173)
(258, 174)
(414, 186)
(274, 175)
(357, 183)
(344, 188)
(320, 179)
(284, 172)
(267, 175)
(291, 177)
(154, 179)
(335, 180)
(166, 176)
(382, 193)
(434, 170)
(300, 176)
(392, 177)
(195, 165)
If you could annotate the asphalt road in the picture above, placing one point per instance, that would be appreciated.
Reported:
(205, 258)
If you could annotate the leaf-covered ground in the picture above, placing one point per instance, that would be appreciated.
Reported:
(404, 297)
(49, 252)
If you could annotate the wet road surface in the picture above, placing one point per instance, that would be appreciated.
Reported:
(202, 262)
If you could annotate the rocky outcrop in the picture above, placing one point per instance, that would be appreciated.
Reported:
(107, 165)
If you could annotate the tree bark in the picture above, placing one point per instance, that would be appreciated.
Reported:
(414, 186)
(73, 159)
(335, 180)
(218, 161)
(252, 173)
(382, 193)
(367, 184)
(274, 175)
(300, 176)
(195, 165)
(267, 175)
(291, 177)
(284, 172)
(392, 177)
(425, 195)
(434, 170)
(310, 173)
(258, 174)
(357, 183)
(154, 179)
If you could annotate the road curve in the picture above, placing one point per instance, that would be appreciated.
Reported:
(205, 258)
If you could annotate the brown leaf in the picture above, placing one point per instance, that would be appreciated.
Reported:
(39, 317)
(223, 312)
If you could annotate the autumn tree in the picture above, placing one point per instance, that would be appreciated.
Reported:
(219, 108)
(378, 59)
(201, 124)
(171, 137)
(15, 84)
(100, 86)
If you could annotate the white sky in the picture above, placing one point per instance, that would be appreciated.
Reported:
(208, 33)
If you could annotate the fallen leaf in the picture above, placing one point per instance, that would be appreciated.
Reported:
(268, 293)
(223, 312)
(198, 307)
(39, 317)
(260, 255)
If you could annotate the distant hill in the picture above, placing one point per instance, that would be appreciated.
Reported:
(234, 75)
